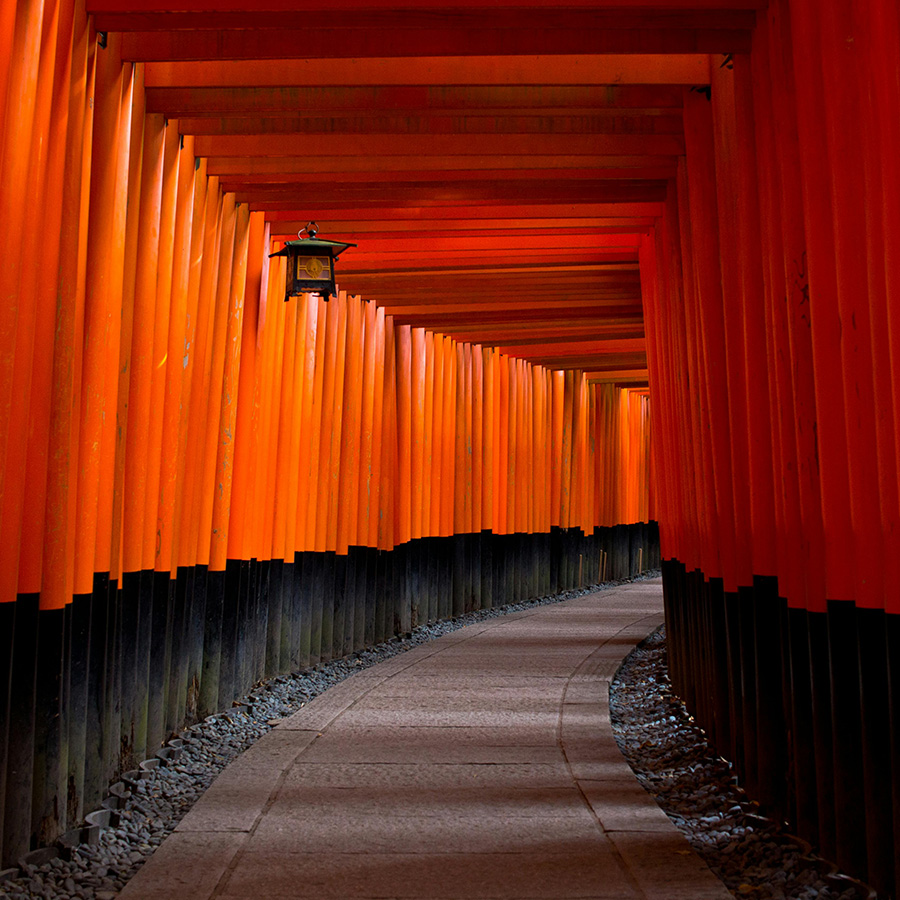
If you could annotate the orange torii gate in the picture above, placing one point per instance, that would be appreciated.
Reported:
(571, 221)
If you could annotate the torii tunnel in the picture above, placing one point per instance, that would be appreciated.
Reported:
(619, 262)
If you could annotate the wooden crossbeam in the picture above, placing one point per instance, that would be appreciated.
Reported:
(469, 39)
(415, 99)
(494, 70)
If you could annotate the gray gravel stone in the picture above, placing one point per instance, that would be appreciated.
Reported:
(755, 857)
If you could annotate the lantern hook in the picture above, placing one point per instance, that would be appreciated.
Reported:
(311, 228)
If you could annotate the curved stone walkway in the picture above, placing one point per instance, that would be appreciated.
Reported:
(480, 765)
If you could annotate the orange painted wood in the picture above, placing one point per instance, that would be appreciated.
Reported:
(698, 441)
(437, 436)
(403, 462)
(725, 147)
(601, 494)
(153, 7)
(417, 366)
(489, 432)
(210, 463)
(246, 436)
(556, 406)
(308, 320)
(48, 175)
(567, 446)
(501, 444)
(111, 139)
(286, 473)
(529, 212)
(878, 26)
(315, 528)
(374, 493)
(259, 289)
(172, 448)
(461, 35)
(224, 463)
(272, 350)
(660, 361)
(760, 471)
(536, 436)
(156, 520)
(468, 428)
(114, 440)
(861, 359)
(480, 145)
(370, 100)
(459, 440)
(386, 527)
(58, 574)
(332, 410)
(535, 476)
(352, 421)
(576, 471)
(288, 407)
(714, 332)
(110, 514)
(21, 71)
(448, 468)
(337, 428)
(782, 241)
(429, 479)
(637, 69)
(137, 547)
(7, 48)
(690, 500)
(521, 448)
(477, 442)
(826, 326)
(499, 460)
(546, 437)
(296, 373)
(201, 361)
(365, 508)
(187, 354)
(518, 512)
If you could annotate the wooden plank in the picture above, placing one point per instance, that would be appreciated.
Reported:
(487, 16)
(415, 99)
(475, 145)
(352, 42)
(585, 69)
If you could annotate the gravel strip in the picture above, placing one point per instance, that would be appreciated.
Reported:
(161, 796)
(755, 857)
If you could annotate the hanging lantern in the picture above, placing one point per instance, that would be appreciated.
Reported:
(310, 264)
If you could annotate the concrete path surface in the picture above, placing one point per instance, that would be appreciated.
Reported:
(480, 765)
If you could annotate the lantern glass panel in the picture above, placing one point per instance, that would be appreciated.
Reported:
(317, 268)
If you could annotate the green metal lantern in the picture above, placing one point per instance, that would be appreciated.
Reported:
(310, 264)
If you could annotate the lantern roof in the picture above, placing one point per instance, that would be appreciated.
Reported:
(315, 246)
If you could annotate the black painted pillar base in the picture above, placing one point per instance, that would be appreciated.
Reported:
(7, 630)
(47, 815)
(197, 640)
(92, 690)
(802, 755)
(20, 748)
(810, 700)
(208, 700)
(277, 648)
(877, 762)
(850, 818)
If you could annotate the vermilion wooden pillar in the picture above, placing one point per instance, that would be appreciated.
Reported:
(879, 25)
(830, 344)
(745, 316)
